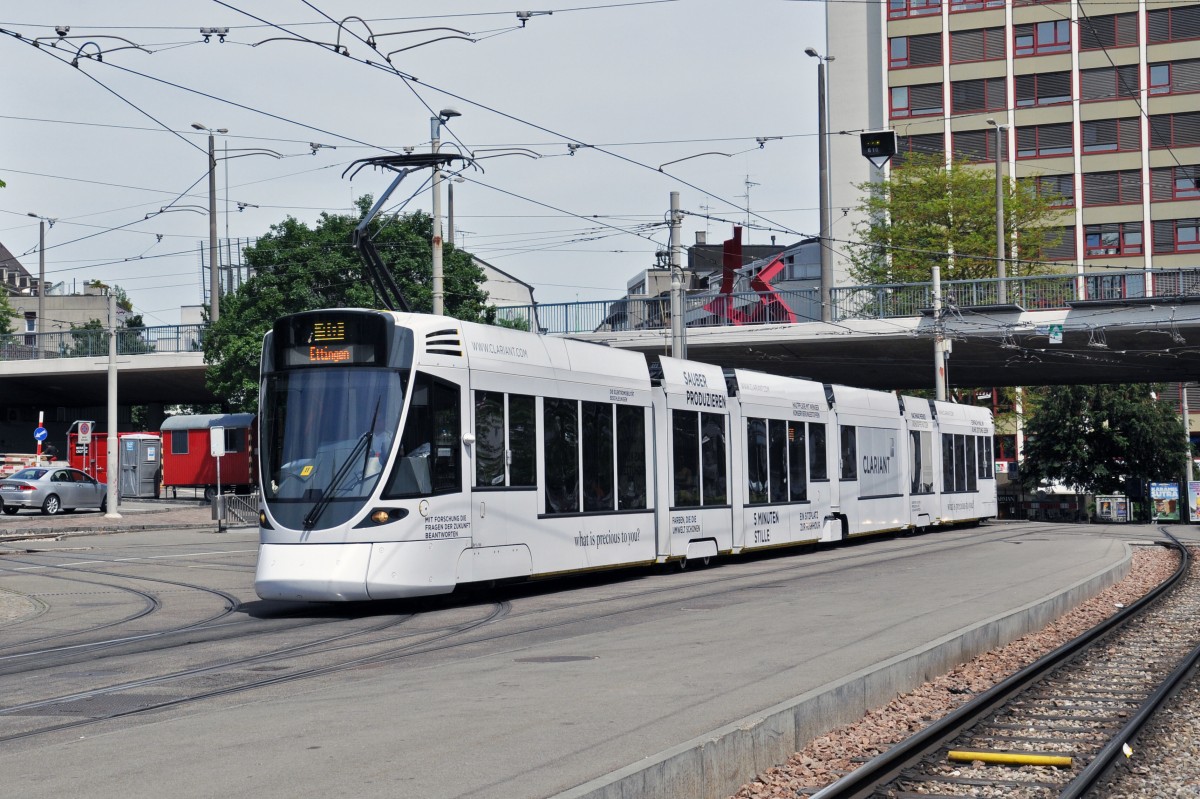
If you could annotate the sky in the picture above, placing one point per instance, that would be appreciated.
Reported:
(714, 99)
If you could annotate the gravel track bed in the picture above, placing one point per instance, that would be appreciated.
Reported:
(843, 749)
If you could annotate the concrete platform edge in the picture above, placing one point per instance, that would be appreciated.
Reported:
(716, 765)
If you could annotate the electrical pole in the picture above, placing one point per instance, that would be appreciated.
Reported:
(1001, 290)
(435, 124)
(678, 307)
(823, 192)
(113, 469)
(939, 338)
(214, 274)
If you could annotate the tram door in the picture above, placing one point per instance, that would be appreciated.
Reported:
(504, 485)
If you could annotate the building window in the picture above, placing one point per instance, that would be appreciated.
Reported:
(1175, 183)
(1177, 235)
(929, 144)
(1038, 141)
(1108, 83)
(915, 51)
(917, 101)
(986, 94)
(981, 44)
(1175, 77)
(978, 145)
(1045, 89)
(1103, 33)
(1122, 187)
(974, 5)
(1118, 238)
(1058, 244)
(898, 9)
(1173, 24)
(1060, 189)
(1175, 130)
(1111, 135)
(1042, 38)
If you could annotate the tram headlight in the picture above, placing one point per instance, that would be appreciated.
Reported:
(381, 517)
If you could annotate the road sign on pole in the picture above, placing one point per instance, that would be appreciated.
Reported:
(85, 433)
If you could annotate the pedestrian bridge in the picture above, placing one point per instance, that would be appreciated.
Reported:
(1106, 327)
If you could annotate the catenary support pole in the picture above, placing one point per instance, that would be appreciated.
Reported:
(113, 470)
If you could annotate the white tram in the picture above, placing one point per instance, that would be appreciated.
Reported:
(404, 454)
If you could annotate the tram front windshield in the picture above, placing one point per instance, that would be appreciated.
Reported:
(327, 435)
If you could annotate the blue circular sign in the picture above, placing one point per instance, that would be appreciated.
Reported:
(40, 434)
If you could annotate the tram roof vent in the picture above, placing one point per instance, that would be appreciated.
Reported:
(444, 342)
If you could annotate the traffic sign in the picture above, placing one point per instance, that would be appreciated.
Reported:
(85, 433)
(40, 434)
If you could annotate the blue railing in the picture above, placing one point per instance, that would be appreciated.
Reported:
(94, 343)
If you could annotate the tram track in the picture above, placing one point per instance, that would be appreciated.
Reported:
(1058, 726)
(253, 664)
(153, 604)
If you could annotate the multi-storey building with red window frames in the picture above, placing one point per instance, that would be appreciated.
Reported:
(1100, 102)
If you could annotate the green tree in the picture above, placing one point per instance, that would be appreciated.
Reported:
(298, 268)
(925, 210)
(7, 313)
(1095, 437)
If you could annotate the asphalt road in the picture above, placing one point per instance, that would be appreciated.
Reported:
(139, 663)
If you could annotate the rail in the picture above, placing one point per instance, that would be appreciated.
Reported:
(93, 343)
(870, 777)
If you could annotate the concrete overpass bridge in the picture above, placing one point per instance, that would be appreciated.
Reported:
(1115, 327)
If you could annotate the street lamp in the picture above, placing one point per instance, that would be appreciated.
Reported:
(435, 124)
(42, 220)
(823, 159)
(214, 277)
(1001, 292)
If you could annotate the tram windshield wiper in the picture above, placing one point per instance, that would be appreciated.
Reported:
(363, 445)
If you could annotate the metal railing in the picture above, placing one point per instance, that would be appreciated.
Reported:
(240, 510)
(889, 300)
(94, 343)
(654, 313)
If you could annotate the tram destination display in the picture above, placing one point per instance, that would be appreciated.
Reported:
(330, 339)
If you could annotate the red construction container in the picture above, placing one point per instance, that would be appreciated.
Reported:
(187, 453)
(92, 457)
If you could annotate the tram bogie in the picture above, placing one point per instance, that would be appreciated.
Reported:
(404, 455)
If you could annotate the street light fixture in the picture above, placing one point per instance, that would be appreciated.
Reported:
(823, 159)
(438, 278)
(1001, 271)
(214, 277)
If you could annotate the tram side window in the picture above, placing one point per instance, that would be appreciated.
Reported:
(489, 439)
(818, 465)
(685, 450)
(958, 463)
(969, 463)
(756, 461)
(986, 464)
(947, 462)
(777, 436)
(849, 452)
(631, 458)
(921, 465)
(429, 460)
(598, 469)
(796, 463)
(522, 441)
(561, 455)
(713, 459)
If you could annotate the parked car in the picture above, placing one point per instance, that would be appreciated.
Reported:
(53, 489)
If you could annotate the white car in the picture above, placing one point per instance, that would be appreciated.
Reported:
(52, 489)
